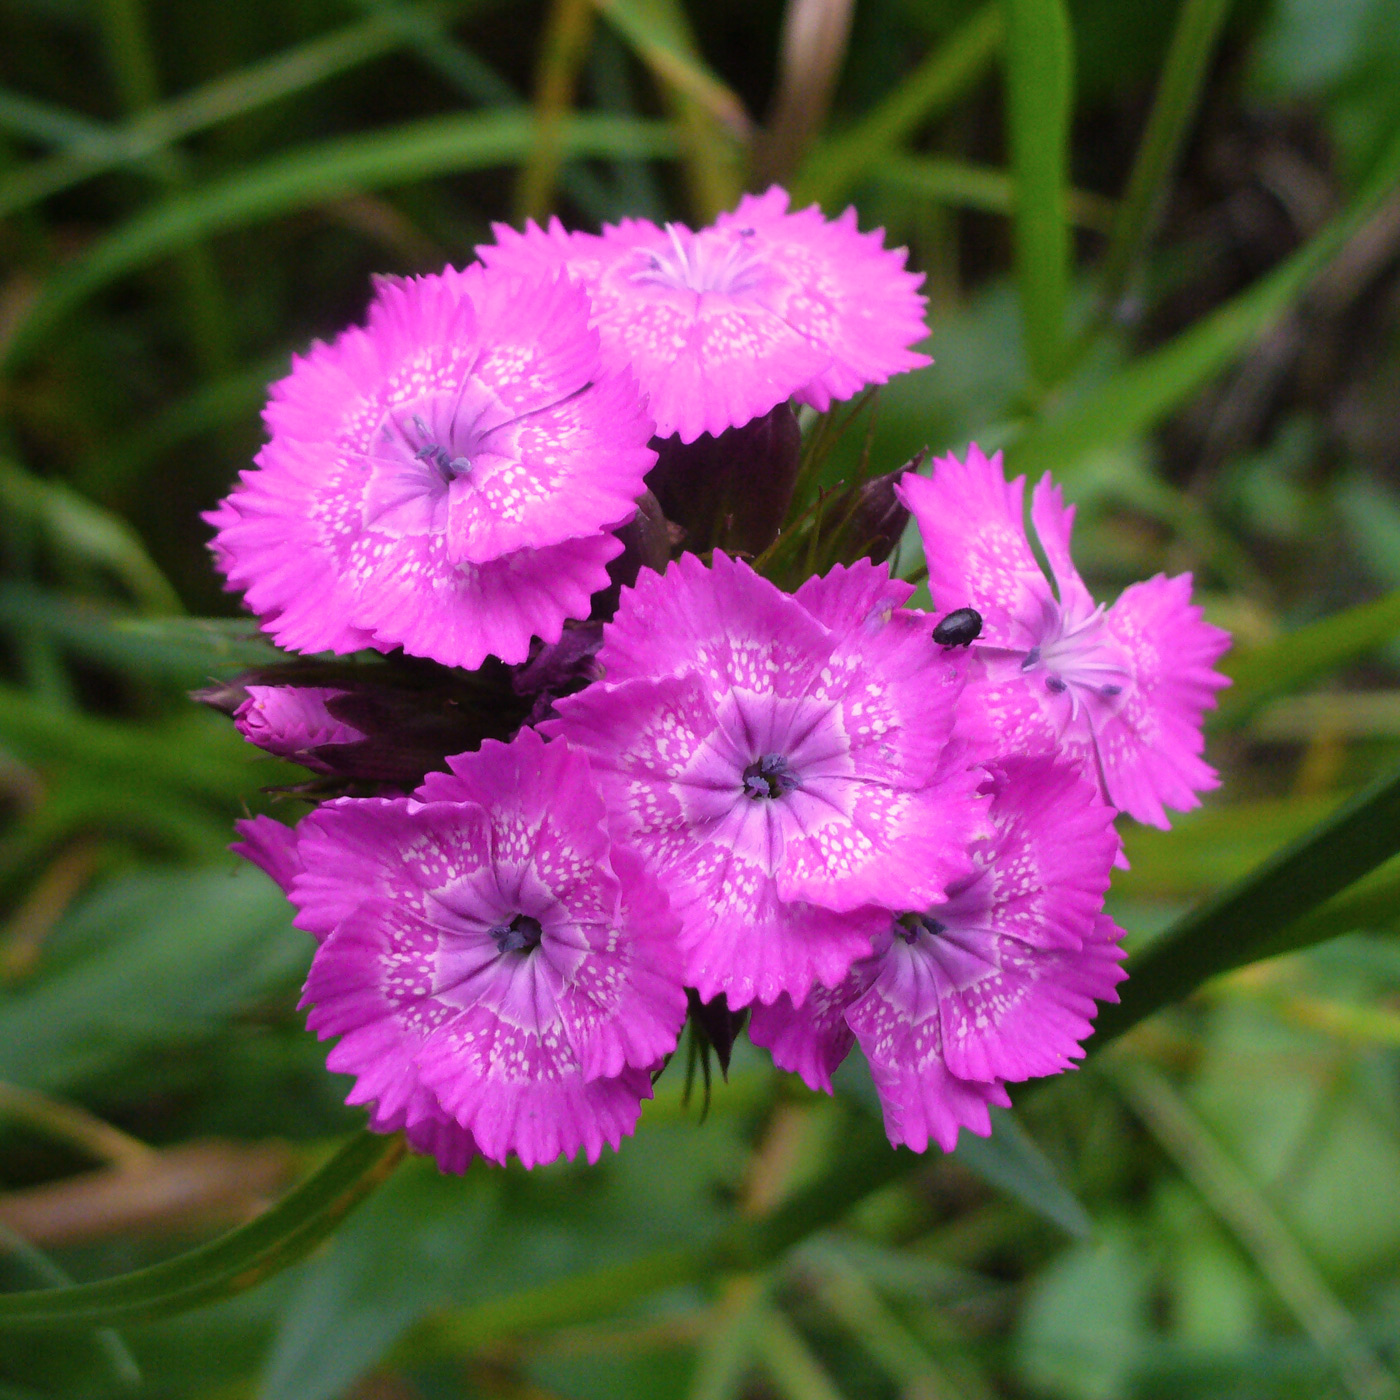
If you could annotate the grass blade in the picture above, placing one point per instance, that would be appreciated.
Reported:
(42, 122)
(1264, 672)
(1193, 42)
(963, 183)
(1239, 1204)
(711, 120)
(1139, 396)
(312, 175)
(235, 1262)
(228, 97)
(836, 166)
(565, 45)
(85, 531)
(1245, 922)
(1039, 100)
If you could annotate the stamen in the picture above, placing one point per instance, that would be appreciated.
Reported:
(769, 777)
(911, 927)
(521, 935)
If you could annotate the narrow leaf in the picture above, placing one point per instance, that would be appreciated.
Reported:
(1039, 98)
(836, 166)
(235, 1262)
(1010, 1160)
(229, 96)
(85, 531)
(963, 183)
(313, 175)
(1244, 922)
(1289, 662)
(1198, 27)
(711, 122)
(1139, 396)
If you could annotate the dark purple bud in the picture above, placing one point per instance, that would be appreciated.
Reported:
(730, 492)
(382, 723)
(647, 540)
(867, 521)
(716, 1028)
(559, 669)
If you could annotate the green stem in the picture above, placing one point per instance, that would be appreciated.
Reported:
(567, 39)
(1039, 101)
(228, 1265)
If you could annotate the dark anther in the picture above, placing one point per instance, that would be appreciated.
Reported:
(521, 935)
(769, 776)
(448, 466)
(910, 926)
(1032, 659)
(959, 629)
(1054, 685)
(1110, 690)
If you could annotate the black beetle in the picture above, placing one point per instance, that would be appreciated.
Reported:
(959, 629)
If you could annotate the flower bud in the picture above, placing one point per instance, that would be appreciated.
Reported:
(732, 491)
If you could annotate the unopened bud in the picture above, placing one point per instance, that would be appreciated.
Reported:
(730, 492)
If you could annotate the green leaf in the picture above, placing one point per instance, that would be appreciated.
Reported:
(962, 183)
(87, 532)
(836, 166)
(153, 960)
(312, 175)
(199, 754)
(417, 1243)
(234, 1262)
(1140, 395)
(658, 33)
(711, 122)
(1261, 914)
(185, 649)
(1286, 664)
(1039, 103)
(40, 121)
(1239, 1204)
(1008, 1160)
(1198, 27)
(227, 97)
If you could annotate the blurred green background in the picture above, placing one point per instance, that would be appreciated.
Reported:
(1161, 245)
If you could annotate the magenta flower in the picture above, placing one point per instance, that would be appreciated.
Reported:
(493, 965)
(271, 846)
(782, 768)
(993, 984)
(292, 721)
(722, 325)
(1121, 690)
(442, 479)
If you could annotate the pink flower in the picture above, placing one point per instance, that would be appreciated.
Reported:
(293, 721)
(996, 983)
(493, 965)
(271, 846)
(722, 325)
(783, 768)
(442, 479)
(1121, 690)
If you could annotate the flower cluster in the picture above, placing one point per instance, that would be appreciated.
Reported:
(596, 776)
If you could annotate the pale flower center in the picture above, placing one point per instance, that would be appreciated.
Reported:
(1081, 657)
(713, 260)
